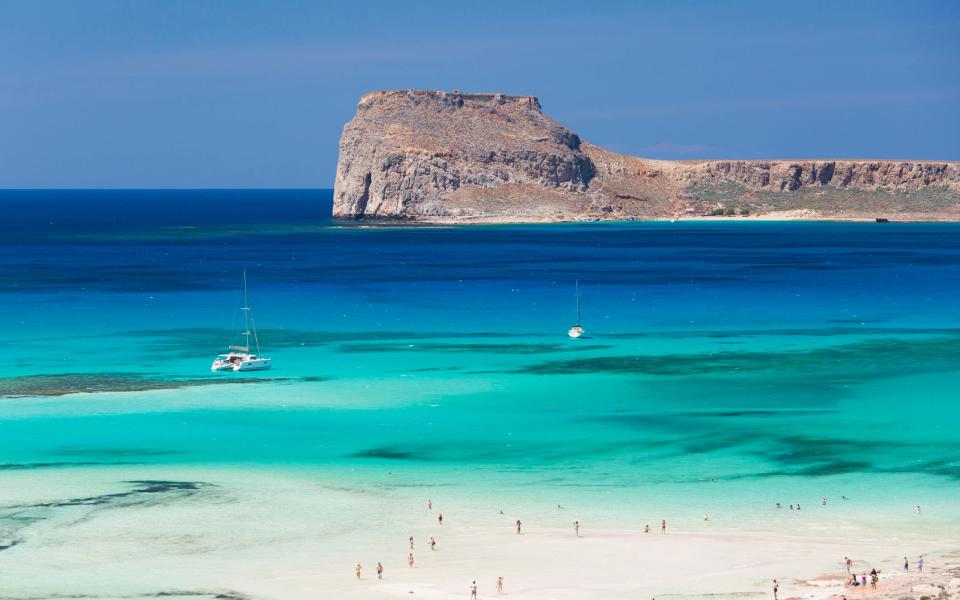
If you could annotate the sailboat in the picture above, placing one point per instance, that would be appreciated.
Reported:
(576, 331)
(240, 358)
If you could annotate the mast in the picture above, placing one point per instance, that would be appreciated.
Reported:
(578, 302)
(246, 313)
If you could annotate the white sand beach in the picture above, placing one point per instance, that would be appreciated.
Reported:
(288, 536)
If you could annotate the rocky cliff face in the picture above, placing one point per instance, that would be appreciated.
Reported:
(453, 157)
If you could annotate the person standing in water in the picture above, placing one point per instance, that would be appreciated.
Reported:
(357, 569)
(410, 560)
(920, 565)
(848, 562)
(906, 564)
(473, 591)
(440, 519)
(500, 584)
(646, 529)
(663, 526)
(411, 542)
(776, 588)
(576, 528)
(429, 504)
(433, 543)
(518, 526)
(379, 570)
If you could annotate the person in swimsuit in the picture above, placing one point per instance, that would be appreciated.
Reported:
(411, 542)
(848, 562)
(920, 565)
(518, 526)
(473, 590)
(357, 569)
(440, 519)
(500, 585)
(410, 560)
(429, 504)
(433, 544)
(776, 588)
(646, 529)
(576, 528)
(663, 526)
(379, 570)
(906, 564)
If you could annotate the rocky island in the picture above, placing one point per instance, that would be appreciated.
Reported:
(451, 157)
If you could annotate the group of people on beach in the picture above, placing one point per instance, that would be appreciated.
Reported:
(358, 569)
(861, 582)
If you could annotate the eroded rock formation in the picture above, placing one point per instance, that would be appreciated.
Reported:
(453, 157)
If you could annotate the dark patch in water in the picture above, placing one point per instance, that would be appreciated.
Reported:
(141, 488)
(61, 384)
(9, 544)
(388, 453)
(850, 363)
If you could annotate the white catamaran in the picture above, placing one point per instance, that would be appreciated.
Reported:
(240, 358)
(576, 331)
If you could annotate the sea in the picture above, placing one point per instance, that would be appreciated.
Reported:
(725, 366)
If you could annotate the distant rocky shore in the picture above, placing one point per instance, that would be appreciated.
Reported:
(451, 157)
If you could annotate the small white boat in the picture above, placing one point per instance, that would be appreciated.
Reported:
(240, 358)
(576, 330)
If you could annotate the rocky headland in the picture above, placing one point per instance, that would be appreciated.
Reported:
(451, 157)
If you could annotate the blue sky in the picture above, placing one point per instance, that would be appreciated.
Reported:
(255, 94)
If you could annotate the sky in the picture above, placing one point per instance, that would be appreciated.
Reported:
(244, 94)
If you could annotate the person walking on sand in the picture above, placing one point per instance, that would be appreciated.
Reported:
(357, 569)
(411, 542)
(500, 584)
(519, 525)
(410, 560)
(663, 526)
(906, 564)
(920, 565)
(473, 591)
(776, 588)
(379, 570)
(576, 528)
(433, 544)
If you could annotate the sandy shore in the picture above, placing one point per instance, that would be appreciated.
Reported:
(291, 537)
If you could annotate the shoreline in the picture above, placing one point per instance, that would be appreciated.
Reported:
(346, 223)
(254, 534)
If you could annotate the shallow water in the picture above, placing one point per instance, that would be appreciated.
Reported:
(726, 366)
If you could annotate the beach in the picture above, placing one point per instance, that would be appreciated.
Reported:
(296, 535)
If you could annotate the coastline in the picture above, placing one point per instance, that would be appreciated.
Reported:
(297, 535)
(378, 223)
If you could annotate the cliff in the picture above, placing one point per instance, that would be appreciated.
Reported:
(455, 157)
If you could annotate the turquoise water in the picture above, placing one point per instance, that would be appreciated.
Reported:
(726, 365)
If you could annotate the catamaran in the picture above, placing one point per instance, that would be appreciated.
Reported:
(240, 358)
(576, 331)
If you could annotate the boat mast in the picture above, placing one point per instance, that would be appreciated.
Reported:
(578, 302)
(246, 313)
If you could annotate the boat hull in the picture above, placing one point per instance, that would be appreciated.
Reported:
(257, 364)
